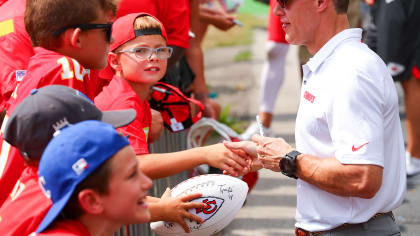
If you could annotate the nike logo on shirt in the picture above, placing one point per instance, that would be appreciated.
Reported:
(355, 149)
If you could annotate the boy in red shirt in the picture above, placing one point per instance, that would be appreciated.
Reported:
(138, 58)
(31, 127)
(95, 186)
(70, 37)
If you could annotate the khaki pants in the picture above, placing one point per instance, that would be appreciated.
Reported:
(381, 226)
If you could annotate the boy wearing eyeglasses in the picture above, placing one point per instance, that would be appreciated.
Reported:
(137, 60)
(70, 38)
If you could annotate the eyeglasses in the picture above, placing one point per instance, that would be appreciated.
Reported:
(282, 3)
(146, 52)
(107, 29)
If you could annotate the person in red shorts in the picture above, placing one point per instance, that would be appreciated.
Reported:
(30, 128)
(95, 185)
(272, 74)
(138, 58)
(69, 38)
(15, 48)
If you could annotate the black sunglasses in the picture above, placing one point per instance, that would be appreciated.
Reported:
(282, 3)
(107, 29)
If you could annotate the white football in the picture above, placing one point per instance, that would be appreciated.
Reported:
(224, 196)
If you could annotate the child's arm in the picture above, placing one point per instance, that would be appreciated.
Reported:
(161, 165)
(174, 209)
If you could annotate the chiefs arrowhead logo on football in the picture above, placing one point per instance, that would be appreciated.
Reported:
(213, 205)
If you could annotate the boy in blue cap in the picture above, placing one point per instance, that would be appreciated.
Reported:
(95, 185)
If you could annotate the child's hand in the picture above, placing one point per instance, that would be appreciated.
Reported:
(176, 209)
(235, 164)
(246, 148)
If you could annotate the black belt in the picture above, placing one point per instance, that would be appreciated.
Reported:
(302, 232)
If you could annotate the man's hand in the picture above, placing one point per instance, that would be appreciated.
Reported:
(216, 17)
(176, 209)
(271, 151)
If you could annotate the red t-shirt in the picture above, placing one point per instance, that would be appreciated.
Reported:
(15, 48)
(11, 167)
(275, 30)
(119, 95)
(65, 228)
(48, 67)
(45, 68)
(174, 15)
(26, 206)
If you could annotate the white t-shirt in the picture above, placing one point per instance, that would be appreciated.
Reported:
(349, 110)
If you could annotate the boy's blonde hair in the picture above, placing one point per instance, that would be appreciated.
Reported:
(146, 22)
(44, 17)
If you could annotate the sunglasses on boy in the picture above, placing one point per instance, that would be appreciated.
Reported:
(106, 27)
(146, 52)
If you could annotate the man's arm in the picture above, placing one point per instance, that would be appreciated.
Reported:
(327, 174)
(195, 59)
(334, 177)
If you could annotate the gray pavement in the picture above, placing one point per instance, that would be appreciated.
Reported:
(270, 208)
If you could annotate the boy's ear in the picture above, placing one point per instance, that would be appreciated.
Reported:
(90, 201)
(114, 62)
(75, 37)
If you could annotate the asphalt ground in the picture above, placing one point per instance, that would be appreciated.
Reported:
(270, 207)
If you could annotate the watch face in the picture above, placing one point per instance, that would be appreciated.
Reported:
(284, 167)
(288, 165)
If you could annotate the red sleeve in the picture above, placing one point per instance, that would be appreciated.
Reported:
(112, 98)
(137, 130)
(11, 168)
(275, 29)
(15, 47)
(132, 6)
(175, 16)
(23, 213)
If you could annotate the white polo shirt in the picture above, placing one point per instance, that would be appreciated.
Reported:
(349, 110)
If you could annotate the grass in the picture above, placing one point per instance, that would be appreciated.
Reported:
(243, 56)
(237, 35)
(232, 122)
(254, 7)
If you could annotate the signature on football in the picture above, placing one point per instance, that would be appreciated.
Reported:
(226, 190)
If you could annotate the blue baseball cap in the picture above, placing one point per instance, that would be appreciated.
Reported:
(70, 157)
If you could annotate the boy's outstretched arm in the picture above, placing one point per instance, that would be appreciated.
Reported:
(162, 165)
(174, 209)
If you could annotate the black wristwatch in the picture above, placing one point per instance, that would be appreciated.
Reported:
(288, 164)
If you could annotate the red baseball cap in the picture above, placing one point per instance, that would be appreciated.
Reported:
(123, 31)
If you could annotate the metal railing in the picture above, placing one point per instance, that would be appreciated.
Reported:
(168, 142)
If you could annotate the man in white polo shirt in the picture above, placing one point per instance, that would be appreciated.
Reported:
(349, 162)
